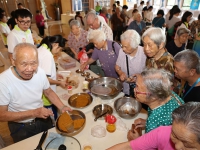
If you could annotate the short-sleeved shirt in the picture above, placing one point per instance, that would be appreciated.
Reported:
(105, 28)
(107, 58)
(81, 42)
(158, 22)
(22, 95)
(136, 64)
(172, 22)
(4, 28)
(162, 115)
(17, 36)
(165, 61)
(47, 63)
(173, 49)
(157, 139)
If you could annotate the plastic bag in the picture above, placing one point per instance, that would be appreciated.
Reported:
(98, 131)
(82, 55)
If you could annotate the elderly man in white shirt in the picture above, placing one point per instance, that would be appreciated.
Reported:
(95, 22)
(21, 32)
(21, 89)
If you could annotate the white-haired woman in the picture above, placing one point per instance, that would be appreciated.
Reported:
(183, 134)
(131, 59)
(153, 88)
(154, 40)
(77, 38)
(105, 50)
(137, 25)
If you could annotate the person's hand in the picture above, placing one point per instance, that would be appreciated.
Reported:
(132, 136)
(90, 51)
(82, 67)
(140, 123)
(76, 56)
(63, 84)
(42, 112)
(59, 77)
(122, 76)
(65, 108)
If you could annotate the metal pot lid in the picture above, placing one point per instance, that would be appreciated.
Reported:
(69, 142)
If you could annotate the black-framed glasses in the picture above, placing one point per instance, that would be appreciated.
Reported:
(24, 22)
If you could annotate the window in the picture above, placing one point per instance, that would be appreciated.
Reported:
(102, 3)
(157, 3)
(186, 4)
(170, 3)
(130, 3)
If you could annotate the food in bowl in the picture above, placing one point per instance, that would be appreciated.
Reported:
(78, 123)
(80, 100)
(65, 122)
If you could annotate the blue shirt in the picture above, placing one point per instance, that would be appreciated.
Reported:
(158, 22)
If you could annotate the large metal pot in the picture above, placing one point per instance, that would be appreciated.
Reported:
(114, 85)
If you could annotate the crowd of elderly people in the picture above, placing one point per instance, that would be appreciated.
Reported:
(166, 78)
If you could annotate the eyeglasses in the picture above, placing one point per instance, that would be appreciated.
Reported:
(92, 24)
(24, 22)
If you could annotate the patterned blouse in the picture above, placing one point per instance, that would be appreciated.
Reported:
(194, 25)
(165, 61)
(77, 43)
(162, 115)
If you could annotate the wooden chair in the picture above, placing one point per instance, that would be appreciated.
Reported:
(4, 57)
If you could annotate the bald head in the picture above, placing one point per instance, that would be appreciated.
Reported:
(25, 60)
(24, 49)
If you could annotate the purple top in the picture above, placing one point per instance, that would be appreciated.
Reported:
(136, 64)
(77, 43)
(107, 58)
(158, 138)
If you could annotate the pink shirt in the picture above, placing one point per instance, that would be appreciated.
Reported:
(158, 138)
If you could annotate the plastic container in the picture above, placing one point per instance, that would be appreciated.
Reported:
(69, 89)
(111, 126)
(67, 62)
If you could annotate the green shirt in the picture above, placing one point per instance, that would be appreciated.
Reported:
(162, 115)
(97, 8)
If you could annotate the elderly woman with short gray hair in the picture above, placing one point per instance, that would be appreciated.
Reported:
(179, 43)
(138, 24)
(131, 59)
(105, 50)
(77, 38)
(153, 88)
(154, 40)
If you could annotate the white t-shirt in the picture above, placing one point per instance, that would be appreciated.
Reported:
(4, 28)
(149, 16)
(140, 8)
(22, 95)
(17, 36)
(47, 63)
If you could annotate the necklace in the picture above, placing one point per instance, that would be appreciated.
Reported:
(18, 73)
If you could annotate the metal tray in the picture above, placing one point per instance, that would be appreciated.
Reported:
(80, 100)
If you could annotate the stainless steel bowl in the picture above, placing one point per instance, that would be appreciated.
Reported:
(127, 107)
(100, 109)
(74, 114)
(89, 78)
(111, 83)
